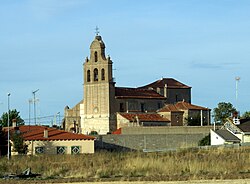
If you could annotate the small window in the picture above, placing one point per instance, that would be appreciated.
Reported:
(95, 74)
(75, 150)
(39, 150)
(142, 107)
(176, 98)
(159, 105)
(103, 74)
(60, 150)
(88, 76)
(122, 107)
(96, 57)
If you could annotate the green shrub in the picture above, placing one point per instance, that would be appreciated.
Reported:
(205, 141)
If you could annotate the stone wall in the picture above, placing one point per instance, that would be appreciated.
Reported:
(167, 130)
(153, 138)
(72, 118)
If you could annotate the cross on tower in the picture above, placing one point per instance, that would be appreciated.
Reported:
(97, 31)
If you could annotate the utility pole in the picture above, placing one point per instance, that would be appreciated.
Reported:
(8, 126)
(34, 100)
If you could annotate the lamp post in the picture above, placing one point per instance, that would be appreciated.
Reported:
(59, 119)
(8, 126)
(34, 100)
(30, 101)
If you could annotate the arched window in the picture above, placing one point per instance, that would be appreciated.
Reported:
(88, 76)
(103, 74)
(96, 58)
(95, 74)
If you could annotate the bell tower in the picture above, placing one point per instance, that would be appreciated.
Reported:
(99, 91)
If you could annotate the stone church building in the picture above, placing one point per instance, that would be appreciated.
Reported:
(103, 103)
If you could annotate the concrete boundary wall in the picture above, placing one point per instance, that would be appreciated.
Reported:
(148, 141)
(167, 130)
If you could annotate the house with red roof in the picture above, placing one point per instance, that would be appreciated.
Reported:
(173, 90)
(46, 140)
(181, 113)
(141, 119)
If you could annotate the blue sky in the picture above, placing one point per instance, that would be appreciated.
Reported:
(204, 44)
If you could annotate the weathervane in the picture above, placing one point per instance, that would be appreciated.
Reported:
(97, 31)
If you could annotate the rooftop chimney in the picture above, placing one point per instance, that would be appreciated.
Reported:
(14, 123)
(236, 120)
(165, 90)
(46, 133)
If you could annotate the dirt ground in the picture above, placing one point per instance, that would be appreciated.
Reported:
(239, 181)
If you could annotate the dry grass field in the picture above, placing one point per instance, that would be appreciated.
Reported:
(182, 165)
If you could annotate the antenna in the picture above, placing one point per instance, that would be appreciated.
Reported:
(237, 79)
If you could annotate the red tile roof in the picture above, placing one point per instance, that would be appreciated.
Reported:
(37, 133)
(181, 106)
(188, 106)
(117, 132)
(169, 108)
(137, 93)
(144, 117)
(170, 82)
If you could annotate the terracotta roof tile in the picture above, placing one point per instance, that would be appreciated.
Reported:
(144, 117)
(137, 93)
(117, 132)
(188, 106)
(179, 106)
(170, 82)
(37, 133)
(169, 108)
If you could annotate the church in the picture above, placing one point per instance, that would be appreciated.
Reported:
(106, 107)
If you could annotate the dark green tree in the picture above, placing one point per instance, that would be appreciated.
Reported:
(222, 111)
(205, 141)
(18, 143)
(194, 121)
(3, 142)
(14, 114)
(246, 115)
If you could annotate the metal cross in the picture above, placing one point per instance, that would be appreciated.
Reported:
(97, 31)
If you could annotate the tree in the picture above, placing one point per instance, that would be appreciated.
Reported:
(14, 114)
(206, 141)
(223, 111)
(194, 121)
(3, 142)
(18, 143)
(246, 115)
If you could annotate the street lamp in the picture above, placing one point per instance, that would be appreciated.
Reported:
(34, 94)
(8, 126)
(30, 101)
(59, 119)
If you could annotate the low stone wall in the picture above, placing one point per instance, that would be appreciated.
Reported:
(148, 142)
(167, 130)
(153, 138)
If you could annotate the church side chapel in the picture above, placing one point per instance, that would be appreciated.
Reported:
(106, 108)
